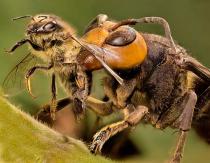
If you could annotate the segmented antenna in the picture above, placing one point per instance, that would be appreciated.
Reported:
(22, 17)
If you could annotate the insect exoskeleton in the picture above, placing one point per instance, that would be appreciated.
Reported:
(125, 47)
(161, 91)
(51, 39)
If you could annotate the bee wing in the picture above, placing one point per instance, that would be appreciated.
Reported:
(197, 68)
(13, 83)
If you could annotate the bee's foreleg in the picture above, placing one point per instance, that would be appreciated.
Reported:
(44, 113)
(30, 72)
(99, 107)
(53, 100)
(21, 42)
(184, 124)
(131, 119)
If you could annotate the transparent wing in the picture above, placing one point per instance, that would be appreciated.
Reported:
(13, 83)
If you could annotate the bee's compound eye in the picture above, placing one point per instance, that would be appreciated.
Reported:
(49, 27)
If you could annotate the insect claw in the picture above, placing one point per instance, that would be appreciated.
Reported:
(80, 83)
(28, 87)
(52, 112)
(53, 109)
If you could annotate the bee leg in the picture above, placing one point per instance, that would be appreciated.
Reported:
(105, 133)
(81, 93)
(184, 124)
(99, 107)
(21, 42)
(30, 72)
(53, 100)
(44, 114)
(155, 20)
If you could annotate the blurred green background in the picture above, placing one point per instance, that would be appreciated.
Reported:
(189, 22)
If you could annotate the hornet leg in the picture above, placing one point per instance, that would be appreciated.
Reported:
(132, 119)
(184, 124)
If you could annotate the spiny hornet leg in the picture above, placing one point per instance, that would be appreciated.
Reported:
(53, 101)
(184, 123)
(156, 20)
(105, 133)
(30, 72)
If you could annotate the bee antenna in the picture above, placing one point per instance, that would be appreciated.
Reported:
(22, 17)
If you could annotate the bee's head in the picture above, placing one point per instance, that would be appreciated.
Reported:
(45, 31)
(46, 24)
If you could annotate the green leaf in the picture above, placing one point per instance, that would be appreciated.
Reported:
(23, 139)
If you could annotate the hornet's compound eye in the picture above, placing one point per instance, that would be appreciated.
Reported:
(121, 37)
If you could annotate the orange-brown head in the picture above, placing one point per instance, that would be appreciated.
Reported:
(124, 48)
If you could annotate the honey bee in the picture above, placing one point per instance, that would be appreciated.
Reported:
(52, 39)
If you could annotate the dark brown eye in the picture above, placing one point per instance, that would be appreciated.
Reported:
(121, 37)
(50, 27)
